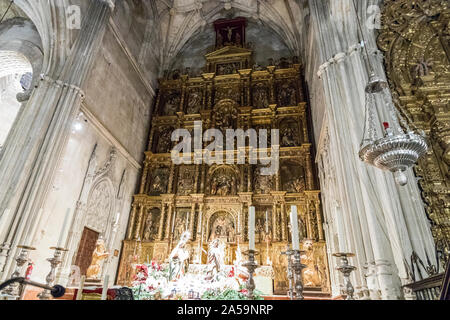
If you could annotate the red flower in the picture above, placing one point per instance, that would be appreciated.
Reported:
(231, 273)
(243, 291)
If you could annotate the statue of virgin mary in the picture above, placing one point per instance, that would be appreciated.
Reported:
(178, 258)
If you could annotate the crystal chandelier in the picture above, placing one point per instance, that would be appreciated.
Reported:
(397, 147)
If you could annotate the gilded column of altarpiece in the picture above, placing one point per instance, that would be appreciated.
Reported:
(213, 201)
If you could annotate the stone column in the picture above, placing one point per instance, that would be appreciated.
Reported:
(31, 153)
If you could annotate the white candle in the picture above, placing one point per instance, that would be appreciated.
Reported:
(117, 218)
(105, 287)
(294, 229)
(251, 228)
(63, 230)
(80, 288)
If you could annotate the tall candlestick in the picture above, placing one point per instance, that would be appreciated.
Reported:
(63, 230)
(105, 288)
(187, 220)
(294, 229)
(251, 228)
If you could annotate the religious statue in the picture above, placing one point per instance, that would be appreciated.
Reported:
(263, 183)
(296, 185)
(287, 96)
(194, 103)
(148, 227)
(260, 97)
(216, 258)
(222, 228)
(311, 276)
(159, 181)
(178, 258)
(222, 186)
(164, 142)
(98, 256)
(179, 228)
(288, 138)
(172, 105)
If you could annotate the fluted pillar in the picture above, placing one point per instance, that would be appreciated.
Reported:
(169, 222)
(31, 153)
(283, 222)
(140, 219)
(132, 220)
(191, 220)
(274, 222)
(161, 222)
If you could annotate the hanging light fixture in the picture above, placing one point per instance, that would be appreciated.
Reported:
(395, 147)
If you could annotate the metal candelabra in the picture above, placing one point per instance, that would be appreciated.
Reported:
(50, 279)
(346, 269)
(22, 258)
(251, 266)
(298, 271)
(295, 273)
(290, 274)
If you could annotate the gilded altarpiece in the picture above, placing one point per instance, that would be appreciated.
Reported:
(415, 37)
(213, 201)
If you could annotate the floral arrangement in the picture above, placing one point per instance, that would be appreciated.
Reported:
(151, 282)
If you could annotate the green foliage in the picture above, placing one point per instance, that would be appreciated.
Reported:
(229, 294)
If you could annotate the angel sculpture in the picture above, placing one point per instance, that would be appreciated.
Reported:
(178, 257)
(98, 256)
(216, 258)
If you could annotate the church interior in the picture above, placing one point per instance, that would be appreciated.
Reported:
(348, 100)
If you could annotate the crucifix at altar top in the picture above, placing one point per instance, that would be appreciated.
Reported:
(230, 32)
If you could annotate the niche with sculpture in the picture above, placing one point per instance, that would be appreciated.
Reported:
(223, 180)
(260, 95)
(186, 176)
(287, 94)
(171, 104)
(163, 140)
(193, 101)
(159, 180)
(222, 226)
(293, 178)
(151, 224)
(263, 184)
(290, 133)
